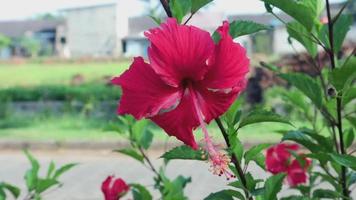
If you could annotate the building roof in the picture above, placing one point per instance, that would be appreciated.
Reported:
(19, 28)
(88, 7)
(206, 21)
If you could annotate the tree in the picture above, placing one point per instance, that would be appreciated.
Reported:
(31, 45)
(4, 41)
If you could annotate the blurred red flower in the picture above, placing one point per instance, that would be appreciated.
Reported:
(113, 188)
(280, 160)
(277, 157)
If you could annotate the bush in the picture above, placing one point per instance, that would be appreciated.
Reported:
(83, 93)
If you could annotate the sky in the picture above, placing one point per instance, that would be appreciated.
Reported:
(21, 9)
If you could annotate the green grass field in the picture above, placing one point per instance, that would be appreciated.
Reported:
(37, 74)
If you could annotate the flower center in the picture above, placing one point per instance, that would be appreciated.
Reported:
(218, 160)
(186, 82)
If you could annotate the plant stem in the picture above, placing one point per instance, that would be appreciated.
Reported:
(338, 102)
(165, 4)
(149, 163)
(234, 159)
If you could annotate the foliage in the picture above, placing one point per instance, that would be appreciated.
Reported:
(83, 93)
(31, 45)
(4, 41)
(36, 185)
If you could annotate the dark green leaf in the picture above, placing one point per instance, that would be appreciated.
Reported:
(295, 197)
(197, 4)
(349, 137)
(184, 152)
(140, 192)
(225, 195)
(352, 120)
(258, 116)
(272, 186)
(146, 139)
(15, 191)
(252, 153)
(132, 153)
(325, 194)
(345, 160)
(349, 96)
(63, 169)
(296, 9)
(180, 8)
(339, 77)
(341, 27)
(303, 139)
(351, 178)
(305, 84)
(240, 28)
(44, 184)
(302, 35)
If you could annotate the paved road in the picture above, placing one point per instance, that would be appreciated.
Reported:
(83, 182)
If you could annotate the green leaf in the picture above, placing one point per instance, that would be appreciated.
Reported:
(258, 116)
(146, 139)
(174, 190)
(303, 139)
(273, 185)
(44, 184)
(295, 197)
(236, 147)
(305, 84)
(352, 120)
(15, 191)
(51, 169)
(317, 6)
(232, 115)
(349, 96)
(197, 4)
(351, 178)
(185, 153)
(302, 35)
(225, 195)
(344, 160)
(180, 8)
(349, 137)
(138, 129)
(339, 77)
(31, 175)
(252, 153)
(63, 169)
(341, 27)
(296, 9)
(239, 28)
(132, 153)
(2, 194)
(156, 19)
(326, 194)
(140, 192)
(296, 98)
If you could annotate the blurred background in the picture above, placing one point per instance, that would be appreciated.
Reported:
(57, 59)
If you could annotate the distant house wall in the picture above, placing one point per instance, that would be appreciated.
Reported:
(281, 45)
(92, 31)
(136, 47)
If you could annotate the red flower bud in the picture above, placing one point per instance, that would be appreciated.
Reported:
(113, 188)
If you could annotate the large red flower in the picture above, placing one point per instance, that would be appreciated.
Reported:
(113, 188)
(188, 82)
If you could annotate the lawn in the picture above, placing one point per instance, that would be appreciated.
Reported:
(52, 74)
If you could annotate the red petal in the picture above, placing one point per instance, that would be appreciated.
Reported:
(230, 64)
(277, 157)
(297, 174)
(214, 103)
(119, 187)
(144, 93)
(105, 188)
(181, 121)
(179, 52)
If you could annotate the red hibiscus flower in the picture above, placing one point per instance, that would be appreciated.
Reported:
(277, 157)
(113, 188)
(188, 82)
(279, 160)
(296, 173)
